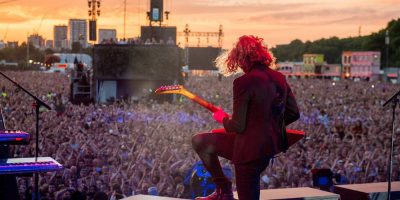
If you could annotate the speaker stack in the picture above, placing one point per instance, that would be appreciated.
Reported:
(157, 10)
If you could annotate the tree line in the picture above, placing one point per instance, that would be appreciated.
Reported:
(333, 47)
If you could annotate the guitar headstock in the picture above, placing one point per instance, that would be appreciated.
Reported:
(170, 89)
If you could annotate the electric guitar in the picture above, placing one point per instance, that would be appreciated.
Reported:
(292, 135)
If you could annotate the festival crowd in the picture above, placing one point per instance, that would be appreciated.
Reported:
(144, 147)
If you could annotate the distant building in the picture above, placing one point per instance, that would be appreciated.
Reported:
(392, 74)
(297, 69)
(78, 32)
(2, 44)
(346, 63)
(107, 35)
(331, 70)
(313, 63)
(12, 44)
(36, 40)
(65, 44)
(290, 68)
(361, 64)
(49, 44)
(61, 37)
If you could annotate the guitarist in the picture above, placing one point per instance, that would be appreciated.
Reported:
(263, 105)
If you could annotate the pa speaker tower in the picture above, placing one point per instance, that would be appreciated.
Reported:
(157, 10)
(92, 30)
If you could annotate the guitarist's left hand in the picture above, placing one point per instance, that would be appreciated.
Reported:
(219, 115)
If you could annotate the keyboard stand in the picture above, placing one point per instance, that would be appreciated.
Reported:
(38, 104)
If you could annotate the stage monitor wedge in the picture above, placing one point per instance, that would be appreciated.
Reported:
(368, 191)
(302, 193)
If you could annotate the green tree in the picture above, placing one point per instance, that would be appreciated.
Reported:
(333, 47)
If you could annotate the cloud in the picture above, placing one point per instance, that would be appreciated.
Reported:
(194, 8)
(7, 17)
(324, 16)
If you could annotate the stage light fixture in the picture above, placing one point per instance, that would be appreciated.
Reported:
(322, 178)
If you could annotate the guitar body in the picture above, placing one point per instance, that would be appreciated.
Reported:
(293, 136)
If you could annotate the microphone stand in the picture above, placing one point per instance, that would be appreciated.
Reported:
(38, 103)
(394, 100)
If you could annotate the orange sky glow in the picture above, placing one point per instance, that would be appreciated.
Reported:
(277, 21)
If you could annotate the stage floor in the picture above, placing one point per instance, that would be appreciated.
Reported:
(297, 193)
(289, 193)
(368, 191)
(147, 197)
(371, 187)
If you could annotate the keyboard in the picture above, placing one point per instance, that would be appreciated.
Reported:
(28, 165)
(14, 137)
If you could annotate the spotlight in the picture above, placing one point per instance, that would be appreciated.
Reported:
(322, 178)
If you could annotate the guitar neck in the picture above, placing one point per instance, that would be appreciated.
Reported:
(200, 101)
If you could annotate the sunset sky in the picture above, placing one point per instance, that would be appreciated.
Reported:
(277, 21)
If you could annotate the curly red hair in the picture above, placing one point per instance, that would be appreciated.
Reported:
(248, 52)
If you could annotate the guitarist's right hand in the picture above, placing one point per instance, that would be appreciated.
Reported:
(218, 130)
(219, 115)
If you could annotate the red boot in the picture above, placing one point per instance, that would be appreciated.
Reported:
(218, 195)
(223, 191)
(213, 196)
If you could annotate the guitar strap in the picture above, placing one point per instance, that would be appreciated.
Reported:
(285, 144)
